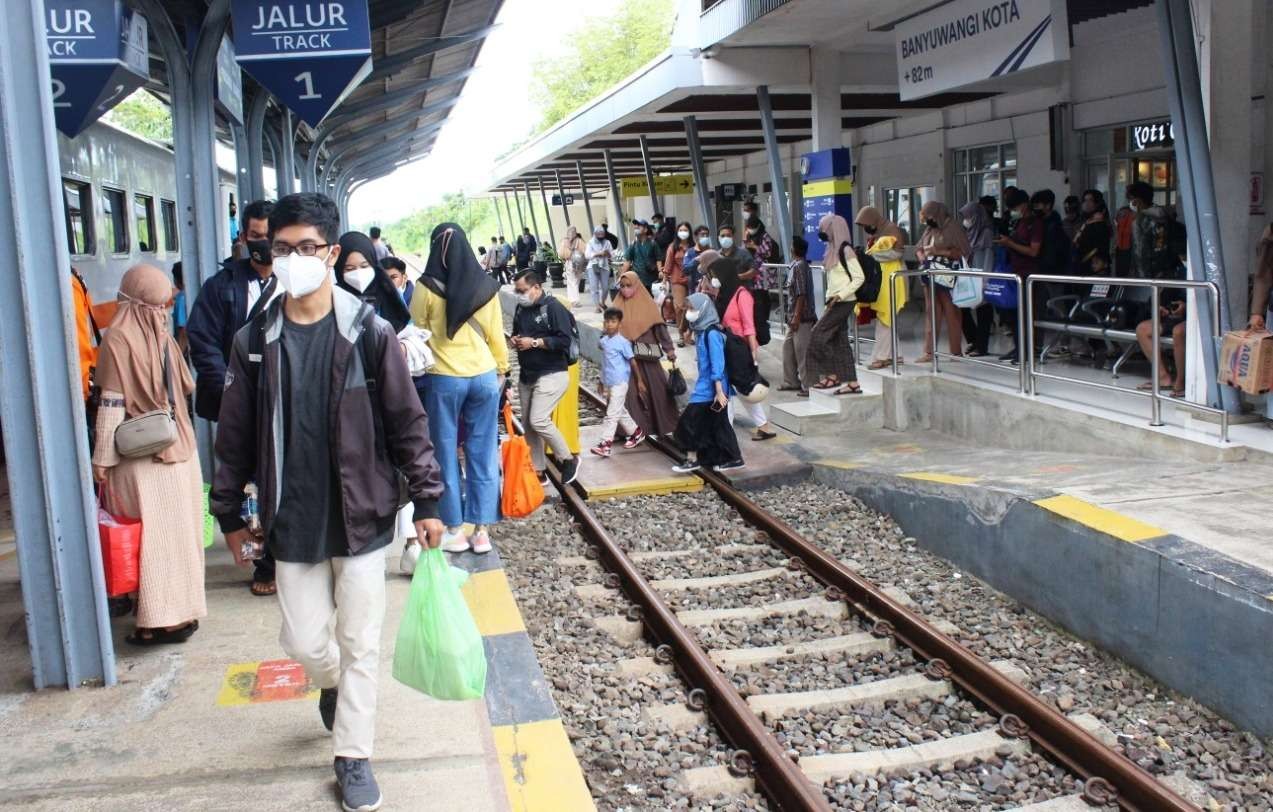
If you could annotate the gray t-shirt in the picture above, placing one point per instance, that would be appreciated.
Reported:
(309, 526)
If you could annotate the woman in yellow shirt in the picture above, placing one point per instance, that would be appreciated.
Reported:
(458, 303)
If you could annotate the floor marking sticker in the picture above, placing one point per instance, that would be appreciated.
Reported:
(267, 681)
(1102, 519)
(945, 479)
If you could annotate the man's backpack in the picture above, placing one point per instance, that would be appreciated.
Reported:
(741, 369)
(872, 275)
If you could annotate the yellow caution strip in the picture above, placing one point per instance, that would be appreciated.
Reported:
(945, 479)
(541, 773)
(843, 465)
(650, 487)
(491, 602)
(1106, 521)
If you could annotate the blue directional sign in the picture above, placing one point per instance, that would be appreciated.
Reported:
(308, 53)
(99, 53)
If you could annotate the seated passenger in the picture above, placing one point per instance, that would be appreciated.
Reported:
(140, 370)
(1172, 323)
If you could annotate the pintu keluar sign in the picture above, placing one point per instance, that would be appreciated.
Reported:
(969, 41)
(99, 53)
(308, 53)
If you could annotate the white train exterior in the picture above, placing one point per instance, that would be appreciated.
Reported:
(120, 199)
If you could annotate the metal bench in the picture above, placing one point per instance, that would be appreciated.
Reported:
(1110, 317)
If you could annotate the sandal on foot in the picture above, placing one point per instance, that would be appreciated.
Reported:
(761, 434)
(1178, 393)
(880, 364)
(161, 637)
(263, 589)
(803, 393)
(1148, 386)
(849, 389)
(829, 382)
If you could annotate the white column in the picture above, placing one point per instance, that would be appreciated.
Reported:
(824, 67)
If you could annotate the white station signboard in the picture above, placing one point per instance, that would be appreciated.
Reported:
(968, 41)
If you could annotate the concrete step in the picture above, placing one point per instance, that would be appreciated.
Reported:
(800, 416)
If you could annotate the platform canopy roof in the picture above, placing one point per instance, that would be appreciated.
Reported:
(716, 61)
(422, 54)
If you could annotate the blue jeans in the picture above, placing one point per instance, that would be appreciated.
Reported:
(474, 403)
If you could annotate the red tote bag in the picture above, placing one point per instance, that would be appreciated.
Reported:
(121, 549)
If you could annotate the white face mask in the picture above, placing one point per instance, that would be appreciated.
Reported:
(704, 241)
(300, 276)
(692, 315)
(716, 283)
(360, 278)
(524, 299)
(726, 242)
(967, 223)
(684, 235)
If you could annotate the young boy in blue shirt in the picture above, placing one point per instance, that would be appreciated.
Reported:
(617, 366)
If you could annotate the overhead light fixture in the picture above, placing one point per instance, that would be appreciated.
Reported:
(709, 52)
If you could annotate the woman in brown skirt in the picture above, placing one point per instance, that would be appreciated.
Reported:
(649, 401)
(830, 356)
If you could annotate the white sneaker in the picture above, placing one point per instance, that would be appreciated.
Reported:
(481, 542)
(454, 542)
(410, 557)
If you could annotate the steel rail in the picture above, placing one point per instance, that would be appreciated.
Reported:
(777, 775)
(1109, 777)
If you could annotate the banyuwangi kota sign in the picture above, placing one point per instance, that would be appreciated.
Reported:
(970, 41)
(308, 53)
(99, 53)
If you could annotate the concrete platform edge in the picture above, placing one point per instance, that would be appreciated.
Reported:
(1191, 617)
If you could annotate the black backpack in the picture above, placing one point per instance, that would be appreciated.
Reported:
(872, 275)
(740, 366)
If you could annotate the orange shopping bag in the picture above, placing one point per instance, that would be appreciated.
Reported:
(522, 492)
(121, 549)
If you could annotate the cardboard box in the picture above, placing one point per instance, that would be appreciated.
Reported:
(1246, 361)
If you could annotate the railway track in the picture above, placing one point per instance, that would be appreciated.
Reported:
(949, 708)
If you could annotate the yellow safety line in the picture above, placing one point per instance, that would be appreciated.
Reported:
(945, 479)
(843, 465)
(491, 602)
(541, 773)
(1105, 520)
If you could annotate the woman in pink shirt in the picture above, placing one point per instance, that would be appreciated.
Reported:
(736, 306)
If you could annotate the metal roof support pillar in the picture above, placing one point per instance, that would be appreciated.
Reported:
(499, 218)
(782, 207)
(530, 207)
(700, 176)
(548, 213)
(1198, 197)
(561, 190)
(256, 149)
(276, 158)
(509, 211)
(583, 189)
(649, 175)
(207, 180)
(287, 137)
(521, 218)
(59, 556)
(243, 168)
(614, 199)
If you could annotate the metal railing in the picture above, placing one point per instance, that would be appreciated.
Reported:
(1023, 378)
(1154, 394)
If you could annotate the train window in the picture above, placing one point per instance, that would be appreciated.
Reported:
(115, 209)
(168, 210)
(144, 215)
(77, 200)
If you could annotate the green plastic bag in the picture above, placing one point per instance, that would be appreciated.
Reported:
(439, 651)
(209, 524)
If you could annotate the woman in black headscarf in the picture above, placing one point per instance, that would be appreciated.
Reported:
(359, 273)
(458, 303)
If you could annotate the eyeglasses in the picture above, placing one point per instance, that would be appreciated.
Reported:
(305, 249)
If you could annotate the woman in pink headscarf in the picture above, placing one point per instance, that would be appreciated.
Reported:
(141, 369)
(830, 355)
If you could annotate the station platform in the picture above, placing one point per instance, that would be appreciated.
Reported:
(223, 720)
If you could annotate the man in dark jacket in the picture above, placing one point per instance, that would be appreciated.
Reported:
(239, 290)
(526, 245)
(543, 330)
(326, 421)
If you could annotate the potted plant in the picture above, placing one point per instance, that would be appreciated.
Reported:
(548, 261)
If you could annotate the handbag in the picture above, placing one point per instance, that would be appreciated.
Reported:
(676, 385)
(522, 494)
(945, 280)
(646, 352)
(968, 292)
(1002, 293)
(120, 538)
(147, 434)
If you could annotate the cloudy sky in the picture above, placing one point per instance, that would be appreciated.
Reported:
(469, 144)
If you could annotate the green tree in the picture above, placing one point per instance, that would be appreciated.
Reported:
(596, 56)
(475, 215)
(143, 114)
